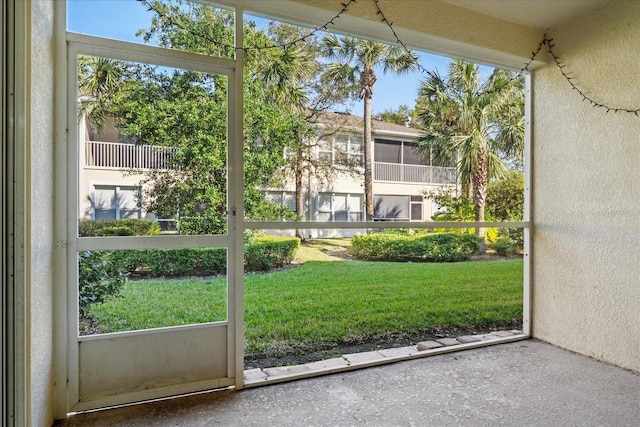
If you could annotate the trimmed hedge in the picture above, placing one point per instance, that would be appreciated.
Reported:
(117, 227)
(504, 246)
(440, 247)
(172, 262)
(265, 253)
(269, 252)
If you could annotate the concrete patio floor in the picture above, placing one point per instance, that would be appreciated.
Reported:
(525, 383)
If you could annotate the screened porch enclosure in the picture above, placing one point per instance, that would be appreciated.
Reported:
(154, 166)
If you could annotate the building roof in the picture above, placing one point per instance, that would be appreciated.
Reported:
(353, 122)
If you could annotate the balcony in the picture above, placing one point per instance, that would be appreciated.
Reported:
(113, 155)
(396, 172)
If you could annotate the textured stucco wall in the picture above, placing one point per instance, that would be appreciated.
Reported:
(40, 174)
(586, 190)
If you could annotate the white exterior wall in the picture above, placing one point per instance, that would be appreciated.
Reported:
(90, 177)
(586, 190)
(40, 205)
(343, 183)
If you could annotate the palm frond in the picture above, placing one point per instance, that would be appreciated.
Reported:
(342, 72)
(401, 63)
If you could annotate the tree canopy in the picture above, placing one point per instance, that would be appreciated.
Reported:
(188, 110)
(402, 116)
(473, 123)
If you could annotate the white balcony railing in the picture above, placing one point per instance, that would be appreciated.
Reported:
(115, 155)
(395, 172)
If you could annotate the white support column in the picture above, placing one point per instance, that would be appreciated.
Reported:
(527, 282)
(17, 197)
(236, 212)
(60, 327)
(4, 243)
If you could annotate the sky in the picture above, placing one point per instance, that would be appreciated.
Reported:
(120, 19)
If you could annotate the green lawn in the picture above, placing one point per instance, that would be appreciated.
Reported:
(327, 302)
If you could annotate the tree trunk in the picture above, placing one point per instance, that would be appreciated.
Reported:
(467, 189)
(368, 160)
(480, 181)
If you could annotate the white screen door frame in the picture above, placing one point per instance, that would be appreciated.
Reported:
(117, 368)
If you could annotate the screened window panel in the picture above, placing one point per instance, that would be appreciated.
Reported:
(341, 150)
(391, 207)
(324, 157)
(340, 216)
(112, 202)
(410, 157)
(104, 199)
(387, 151)
(324, 151)
(126, 29)
(416, 211)
(289, 200)
(274, 197)
(339, 203)
(340, 143)
(128, 198)
(105, 213)
(356, 141)
(324, 216)
(324, 202)
(355, 203)
(130, 213)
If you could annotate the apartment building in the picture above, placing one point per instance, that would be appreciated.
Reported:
(113, 168)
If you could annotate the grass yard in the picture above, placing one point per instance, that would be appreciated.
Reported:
(329, 302)
(321, 305)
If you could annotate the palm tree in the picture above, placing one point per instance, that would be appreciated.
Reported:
(98, 78)
(473, 123)
(357, 61)
(282, 75)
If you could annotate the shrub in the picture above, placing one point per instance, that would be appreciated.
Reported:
(515, 234)
(505, 202)
(270, 252)
(209, 222)
(406, 231)
(173, 262)
(250, 236)
(116, 227)
(117, 231)
(100, 278)
(504, 246)
(441, 247)
(263, 254)
(505, 197)
(457, 209)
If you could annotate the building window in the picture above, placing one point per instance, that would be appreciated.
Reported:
(391, 208)
(116, 202)
(348, 150)
(397, 152)
(339, 207)
(397, 208)
(342, 150)
(416, 208)
(282, 198)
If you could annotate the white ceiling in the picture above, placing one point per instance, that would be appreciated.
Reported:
(539, 14)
